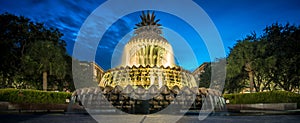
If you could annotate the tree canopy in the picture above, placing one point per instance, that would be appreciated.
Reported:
(30, 51)
(268, 62)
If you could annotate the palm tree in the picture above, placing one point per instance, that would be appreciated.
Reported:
(46, 58)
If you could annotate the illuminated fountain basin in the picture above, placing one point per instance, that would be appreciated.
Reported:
(146, 76)
(146, 101)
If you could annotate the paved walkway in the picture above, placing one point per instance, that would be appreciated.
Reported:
(85, 118)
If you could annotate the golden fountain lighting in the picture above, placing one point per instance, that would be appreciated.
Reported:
(148, 60)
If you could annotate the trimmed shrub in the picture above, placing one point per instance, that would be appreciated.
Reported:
(33, 96)
(264, 97)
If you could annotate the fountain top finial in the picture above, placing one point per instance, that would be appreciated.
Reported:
(148, 24)
(148, 20)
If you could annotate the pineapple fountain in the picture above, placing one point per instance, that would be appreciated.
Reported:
(148, 80)
(148, 60)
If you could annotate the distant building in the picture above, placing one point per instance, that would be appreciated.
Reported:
(199, 71)
(97, 70)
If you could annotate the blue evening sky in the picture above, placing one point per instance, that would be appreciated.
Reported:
(234, 20)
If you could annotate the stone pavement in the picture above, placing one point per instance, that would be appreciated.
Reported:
(85, 118)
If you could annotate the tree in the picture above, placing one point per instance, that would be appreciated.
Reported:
(283, 47)
(27, 49)
(14, 38)
(242, 59)
(43, 57)
(205, 77)
(268, 62)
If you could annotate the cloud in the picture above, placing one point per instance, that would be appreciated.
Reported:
(232, 18)
(68, 16)
(109, 41)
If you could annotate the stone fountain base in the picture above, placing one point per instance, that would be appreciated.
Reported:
(138, 100)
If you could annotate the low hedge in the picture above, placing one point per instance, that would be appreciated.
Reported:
(33, 96)
(264, 97)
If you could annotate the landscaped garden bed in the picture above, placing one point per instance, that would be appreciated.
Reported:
(273, 100)
(15, 99)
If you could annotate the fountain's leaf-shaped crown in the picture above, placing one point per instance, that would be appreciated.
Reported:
(148, 23)
(147, 20)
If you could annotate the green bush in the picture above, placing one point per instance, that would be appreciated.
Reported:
(264, 97)
(33, 96)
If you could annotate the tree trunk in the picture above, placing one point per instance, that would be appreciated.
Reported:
(251, 79)
(45, 81)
